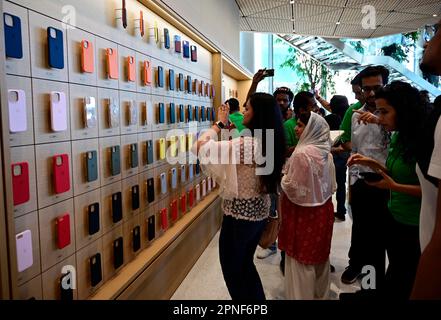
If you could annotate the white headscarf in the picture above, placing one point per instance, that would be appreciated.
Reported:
(309, 178)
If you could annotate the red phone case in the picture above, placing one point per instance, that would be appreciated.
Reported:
(174, 210)
(147, 73)
(63, 231)
(164, 219)
(190, 198)
(20, 182)
(183, 203)
(87, 63)
(61, 173)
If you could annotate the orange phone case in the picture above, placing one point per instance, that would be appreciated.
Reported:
(87, 64)
(112, 63)
(147, 73)
(131, 72)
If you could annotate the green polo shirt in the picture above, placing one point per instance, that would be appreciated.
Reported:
(347, 122)
(290, 135)
(237, 119)
(404, 207)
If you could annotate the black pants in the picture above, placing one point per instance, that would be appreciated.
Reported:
(403, 251)
(340, 175)
(369, 210)
(237, 244)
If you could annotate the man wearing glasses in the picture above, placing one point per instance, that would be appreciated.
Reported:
(368, 204)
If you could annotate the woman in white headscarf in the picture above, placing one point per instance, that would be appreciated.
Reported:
(307, 211)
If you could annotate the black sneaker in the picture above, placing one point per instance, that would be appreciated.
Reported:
(350, 275)
(339, 216)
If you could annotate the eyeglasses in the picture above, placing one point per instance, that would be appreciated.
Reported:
(368, 89)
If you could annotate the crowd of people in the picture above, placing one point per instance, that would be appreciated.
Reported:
(389, 154)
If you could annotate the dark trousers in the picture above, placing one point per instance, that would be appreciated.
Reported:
(237, 244)
(340, 161)
(369, 210)
(403, 251)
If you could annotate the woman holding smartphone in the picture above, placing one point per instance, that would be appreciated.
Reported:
(248, 170)
(400, 112)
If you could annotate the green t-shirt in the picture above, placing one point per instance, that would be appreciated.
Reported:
(404, 207)
(346, 123)
(290, 135)
(237, 119)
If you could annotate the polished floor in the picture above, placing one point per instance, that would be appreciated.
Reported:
(205, 281)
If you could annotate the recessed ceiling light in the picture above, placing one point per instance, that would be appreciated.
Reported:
(435, 15)
(338, 22)
(292, 19)
(291, 2)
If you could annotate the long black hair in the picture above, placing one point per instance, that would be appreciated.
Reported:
(267, 115)
(410, 116)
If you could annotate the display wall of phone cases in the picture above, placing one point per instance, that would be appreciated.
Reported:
(126, 70)
(82, 59)
(128, 112)
(131, 191)
(105, 145)
(44, 155)
(46, 44)
(25, 155)
(27, 246)
(51, 111)
(108, 253)
(86, 165)
(52, 280)
(31, 290)
(83, 257)
(20, 110)
(103, 79)
(86, 213)
(106, 205)
(17, 66)
(127, 152)
(108, 112)
(48, 233)
(83, 112)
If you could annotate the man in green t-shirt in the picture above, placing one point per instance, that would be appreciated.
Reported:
(236, 117)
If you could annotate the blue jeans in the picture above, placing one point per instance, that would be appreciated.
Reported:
(237, 244)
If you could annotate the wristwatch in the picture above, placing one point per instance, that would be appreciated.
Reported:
(220, 124)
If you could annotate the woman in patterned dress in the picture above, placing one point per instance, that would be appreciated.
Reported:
(307, 211)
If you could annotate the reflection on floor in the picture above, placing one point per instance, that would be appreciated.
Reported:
(205, 281)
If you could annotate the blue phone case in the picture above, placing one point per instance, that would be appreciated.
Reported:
(161, 113)
(174, 178)
(190, 113)
(181, 113)
(172, 113)
(160, 77)
(202, 113)
(213, 114)
(13, 39)
(55, 48)
(183, 175)
(171, 79)
(190, 172)
(163, 183)
(166, 38)
(181, 82)
(186, 48)
(196, 113)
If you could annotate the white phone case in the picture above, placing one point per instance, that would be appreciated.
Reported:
(89, 112)
(23, 242)
(17, 111)
(198, 192)
(204, 188)
(58, 111)
(163, 183)
(133, 115)
(113, 113)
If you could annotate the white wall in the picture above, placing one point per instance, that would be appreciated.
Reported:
(218, 20)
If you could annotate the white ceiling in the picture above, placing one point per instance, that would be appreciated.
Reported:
(320, 17)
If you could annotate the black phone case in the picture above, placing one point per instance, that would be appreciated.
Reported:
(186, 49)
(196, 113)
(65, 294)
(172, 112)
(93, 212)
(149, 145)
(198, 167)
(134, 155)
(136, 232)
(190, 113)
(13, 38)
(135, 197)
(118, 253)
(161, 113)
(150, 190)
(181, 113)
(55, 49)
(116, 207)
(202, 113)
(189, 84)
(115, 162)
(166, 38)
(95, 270)
(92, 166)
(151, 227)
(171, 79)
(160, 77)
